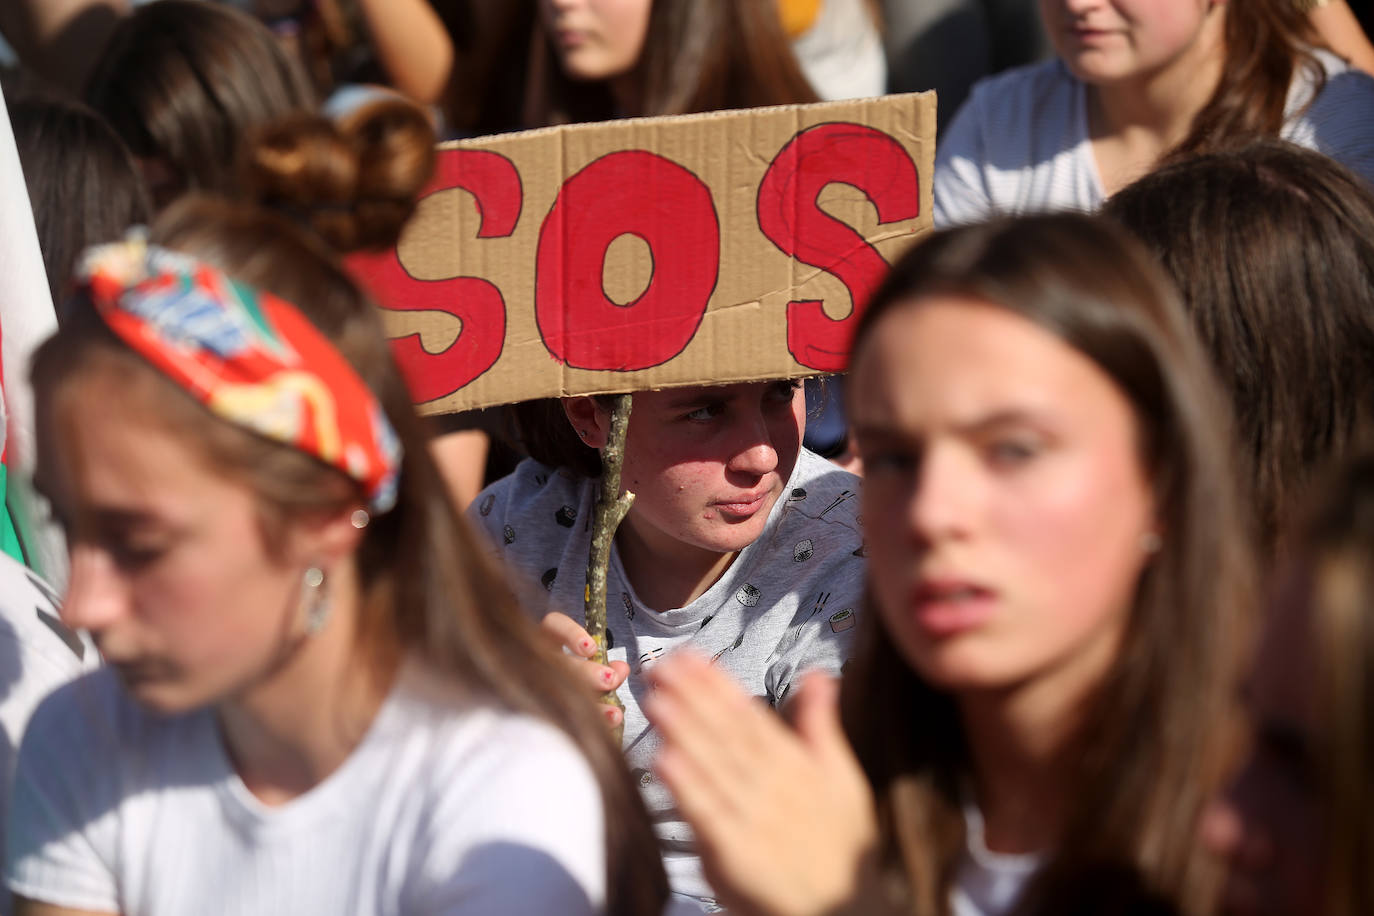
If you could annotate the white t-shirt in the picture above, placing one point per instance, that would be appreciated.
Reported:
(988, 883)
(37, 654)
(842, 53)
(1020, 144)
(788, 604)
(444, 807)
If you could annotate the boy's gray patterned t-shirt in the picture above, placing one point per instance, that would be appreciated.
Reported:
(788, 604)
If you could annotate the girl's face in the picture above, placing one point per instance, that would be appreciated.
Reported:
(170, 572)
(707, 464)
(596, 39)
(1006, 514)
(1269, 828)
(1106, 41)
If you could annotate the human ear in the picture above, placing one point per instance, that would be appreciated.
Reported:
(591, 423)
(325, 538)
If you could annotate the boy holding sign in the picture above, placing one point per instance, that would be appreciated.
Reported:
(704, 263)
(740, 544)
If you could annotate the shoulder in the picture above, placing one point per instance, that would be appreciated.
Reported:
(532, 493)
(1018, 98)
(1014, 126)
(513, 809)
(821, 489)
(1335, 120)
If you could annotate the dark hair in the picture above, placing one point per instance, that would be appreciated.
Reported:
(1272, 248)
(1335, 549)
(426, 584)
(1154, 740)
(82, 182)
(1266, 41)
(182, 81)
(698, 55)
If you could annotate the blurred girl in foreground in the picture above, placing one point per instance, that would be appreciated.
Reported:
(1058, 576)
(318, 698)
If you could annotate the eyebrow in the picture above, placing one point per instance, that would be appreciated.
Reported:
(1011, 416)
(688, 400)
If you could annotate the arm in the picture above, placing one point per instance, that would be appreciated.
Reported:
(462, 459)
(1337, 28)
(412, 46)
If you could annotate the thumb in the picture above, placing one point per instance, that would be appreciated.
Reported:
(816, 715)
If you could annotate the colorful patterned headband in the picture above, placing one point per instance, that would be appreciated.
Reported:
(249, 356)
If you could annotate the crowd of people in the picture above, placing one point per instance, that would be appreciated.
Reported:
(1079, 620)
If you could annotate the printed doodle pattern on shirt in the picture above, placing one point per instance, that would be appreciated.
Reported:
(748, 595)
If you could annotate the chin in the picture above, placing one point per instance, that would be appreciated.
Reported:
(164, 697)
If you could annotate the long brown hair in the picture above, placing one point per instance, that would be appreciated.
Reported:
(1272, 248)
(698, 55)
(1155, 739)
(1336, 548)
(427, 585)
(1265, 43)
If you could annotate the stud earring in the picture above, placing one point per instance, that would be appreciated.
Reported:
(315, 599)
(359, 519)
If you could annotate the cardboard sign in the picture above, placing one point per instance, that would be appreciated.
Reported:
(652, 253)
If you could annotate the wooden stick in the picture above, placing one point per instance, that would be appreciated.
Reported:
(611, 507)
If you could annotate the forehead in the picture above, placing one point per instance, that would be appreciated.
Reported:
(695, 394)
(953, 360)
(104, 441)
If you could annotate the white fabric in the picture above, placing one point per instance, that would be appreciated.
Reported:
(1020, 144)
(787, 604)
(442, 808)
(26, 320)
(37, 654)
(842, 53)
(988, 883)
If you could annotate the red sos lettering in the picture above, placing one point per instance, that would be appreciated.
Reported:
(494, 182)
(789, 216)
(637, 193)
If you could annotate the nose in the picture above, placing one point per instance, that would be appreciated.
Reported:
(97, 595)
(756, 453)
(942, 497)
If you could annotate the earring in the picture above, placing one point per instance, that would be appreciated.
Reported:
(359, 519)
(1150, 543)
(315, 599)
(582, 434)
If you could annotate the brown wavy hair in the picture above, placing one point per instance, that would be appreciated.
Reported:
(1156, 740)
(427, 586)
(1272, 248)
(698, 55)
(1266, 42)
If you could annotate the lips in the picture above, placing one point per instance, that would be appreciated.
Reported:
(570, 38)
(950, 606)
(745, 506)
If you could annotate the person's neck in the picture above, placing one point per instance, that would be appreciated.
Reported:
(667, 575)
(1023, 741)
(627, 92)
(288, 732)
(1140, 119)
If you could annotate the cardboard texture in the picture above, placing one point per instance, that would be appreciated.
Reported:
(652, 253)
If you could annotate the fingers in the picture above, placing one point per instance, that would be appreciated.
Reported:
(567, 633)
(719, 742)
(816, 715)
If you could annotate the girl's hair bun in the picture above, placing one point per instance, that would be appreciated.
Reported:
(353, 181)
